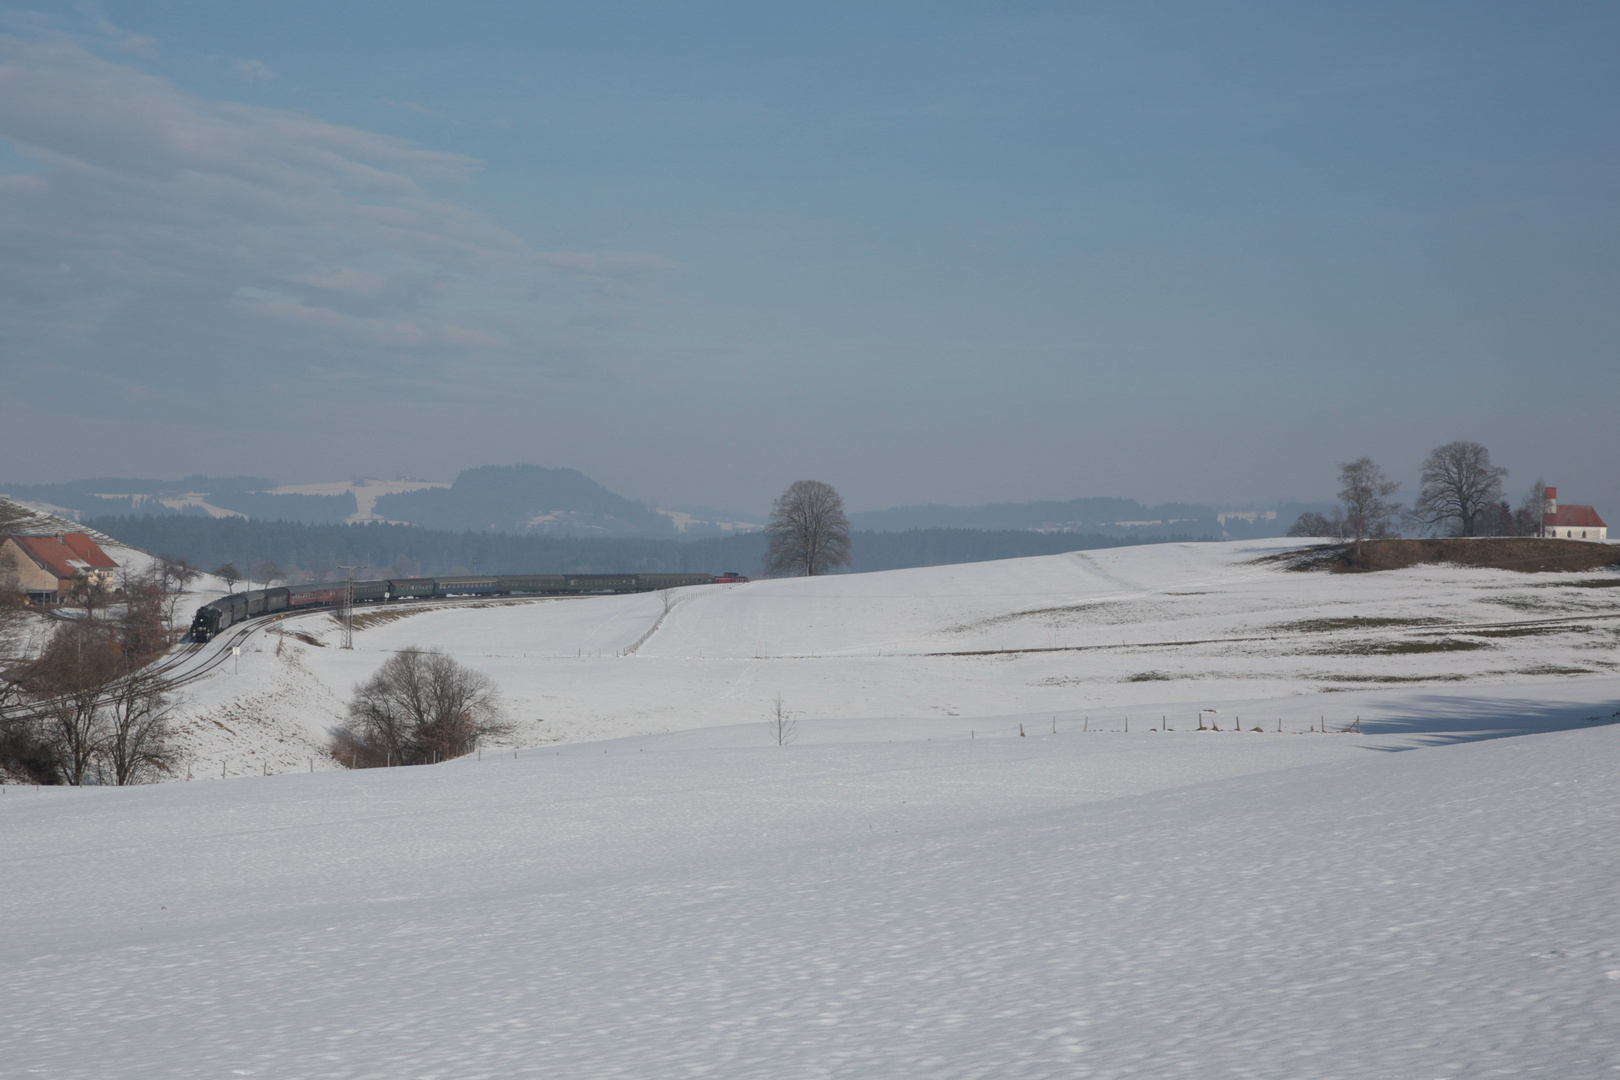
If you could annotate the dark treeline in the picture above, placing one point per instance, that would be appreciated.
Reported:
(407, 550)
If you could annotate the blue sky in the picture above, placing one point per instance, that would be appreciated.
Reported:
(939, 252)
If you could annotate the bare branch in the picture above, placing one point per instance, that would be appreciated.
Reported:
(808, 530)
(421, 706)
(781, 723)
(1459, 483)
(1365, 490)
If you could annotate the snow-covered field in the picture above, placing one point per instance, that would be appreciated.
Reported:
(1153, 631)
(867, 902)
(911, 888)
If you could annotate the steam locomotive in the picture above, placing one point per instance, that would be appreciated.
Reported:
(238, 607)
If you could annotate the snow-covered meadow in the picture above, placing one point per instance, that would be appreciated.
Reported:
(651, 887)
(1152, 631)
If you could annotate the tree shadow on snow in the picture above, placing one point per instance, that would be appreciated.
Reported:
(1444, 720)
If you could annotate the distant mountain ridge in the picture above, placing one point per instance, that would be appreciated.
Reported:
(522, 499)
(205, 496)
(1099, 516)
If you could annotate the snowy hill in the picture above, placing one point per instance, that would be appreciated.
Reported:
(1151, 631)
(964, 866)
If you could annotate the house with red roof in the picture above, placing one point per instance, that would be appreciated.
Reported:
(51, 567)
(1571, 522)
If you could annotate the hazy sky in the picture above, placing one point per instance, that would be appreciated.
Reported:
(924, 252)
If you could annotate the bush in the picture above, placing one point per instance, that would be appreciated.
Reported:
(420, 707)
(1311, 523)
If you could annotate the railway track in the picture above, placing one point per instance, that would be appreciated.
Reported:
(235, 637)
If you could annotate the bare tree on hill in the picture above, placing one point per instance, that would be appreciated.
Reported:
(808, 531)
(1311, 523)
(174, 576)
(1459, 483)
(1531, 516)
(228, 573)
(1365, 490)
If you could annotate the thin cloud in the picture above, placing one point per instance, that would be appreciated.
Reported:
(253, 71)
(198, 245)
(610, 273)
(411, 106)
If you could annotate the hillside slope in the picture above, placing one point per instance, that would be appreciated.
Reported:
(1167, 630)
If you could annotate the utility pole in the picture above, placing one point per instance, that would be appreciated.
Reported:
(348, 604)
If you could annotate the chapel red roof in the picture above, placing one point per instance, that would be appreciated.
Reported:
(66, 555)
(1574, 517)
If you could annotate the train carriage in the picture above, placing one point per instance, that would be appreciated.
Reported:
(534, 583)
(673, 581)
(409, 588)
(466, 586)
(368, 591)
(589, 583)
(326, 594)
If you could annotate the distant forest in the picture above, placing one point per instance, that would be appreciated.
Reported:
(408, 550)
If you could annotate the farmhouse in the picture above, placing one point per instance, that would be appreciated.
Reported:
(52, 567)
(1571, 522)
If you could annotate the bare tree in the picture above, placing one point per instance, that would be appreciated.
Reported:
(142, 630)
(229, 574)
(67, 686)
(1530, 519)
(808, 531)
(1311, 523)
(421, 706)
(1458, 483)
(90, 591)
(781, 723)
(1365, 490)
(268, 572)
(137, 743)
(174, 575)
